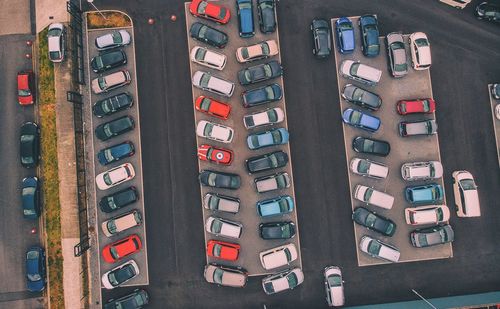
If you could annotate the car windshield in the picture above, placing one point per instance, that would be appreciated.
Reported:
(283, 205)
(427, 105)
(421, 42)
(111, 202)
(272, 115)
(111, 226)
(205, 104)
(27, 138)
(281, 181)
(439, 214)
(422, 239)
(217, 250)
(24, 92)
(267, 70)
(203, 31)
(218, 275)
(274, 161)
(374, 247)
(265, 5)
(214, 203)
(202, 7)
(345, 26)
(34, 277)
(269, 93)
(108, 154)
(276, 136)
(285, 231)
(222, 13)
(112, 279)
(244, 52)
(205, 78)
(370, 219)
(357, 94)
(200, 54)
(265, 49)
(106, 106)
(354, 69)
(245, 5)
(334, 280)
(292, 280)
(363, 166)
(107, 179)
(117, 38)
(468, 184)
(208, 129)
(102, 83)
(114, 252)
(107, 130)
(368, 194)
(355, 117)
(211, 179)
(54, 32)
(98, 61)
(368, 145)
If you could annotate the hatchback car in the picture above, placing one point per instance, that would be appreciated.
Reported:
(121, 249)
(368, 25)
(372, 169)
(111, 81)
(262, 95)
(35, 269)
(220, 180)
(432, 236)
(269, 116)
(377, 249)
(278, 256)
(488, 11)
(219, 202)
(118, 200)
(371, 146)
(345, 35)
(334, 286)
(212, 107)
(120, 274)
(277, 230)
(244, 9)
(210, 10)
(373, 197)
(373, 221)
(211, 83)
(30, 196)
(424, 194)
(26, 90)
(260, 73)
(272, 182)
(30, 145)
(267, 15)
(422, 170)
(266, 162)
(257, 51)
(113, 39)
(421, 127)
(135, 300)
(112, 104)
(114, 128)
(108, 60)
(432, 214)
(420, 51)
(465, 194)
(223, 227)
(225, 275)
(215, 154)
(122, 222)
(214, 131)
(398, 65)
(322, 44)
(56, 41)
(361, 97)
(275, 206)
(360, 72)
(223, 250)
(282, 281)
(406, 107)
(358, 119)
(208, 35)
(269, 138)
(208, 58)
(115, 176)
(115, 153)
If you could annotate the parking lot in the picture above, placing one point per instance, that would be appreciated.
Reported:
(496, 122)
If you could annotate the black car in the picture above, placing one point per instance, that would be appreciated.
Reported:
(368, 25)
(266, 162)
(371, 146)
(31, 198)
(373, 221)
(36, 274)
(220, 179)
(260, 73)
(135, 300)
(262, 95)
(277, 230)
(114, 128)
(361, 97)
(119, 199)
(488, 11)
(322, 41)
(209, 35)
(267, 20)
(30, 144)
(112, 104)
(108, 60)
(116, 153)
(436, 235)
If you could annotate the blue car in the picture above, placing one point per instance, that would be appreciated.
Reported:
(425, 194)
(345, 35)
(358, 119)
(276, 206)
(245, 18)
(35, 269)
(115, 153)
(368, 26)
(262, 95)
(268, 138)
(31, 198)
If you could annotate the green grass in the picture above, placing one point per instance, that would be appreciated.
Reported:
(49, 173)
(113, 19)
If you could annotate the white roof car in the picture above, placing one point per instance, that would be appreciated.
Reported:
(422, 170)
(285, 280)
(120, 274)
(373, 197)
(217, 85)
(269, 116)
(257, 51)
(378, 249)
(121, 223)
(208, 58)
(111, 81)
(225, 276)
(56, 43)
(112, 40)
(214, 131)
(278, 256)
(360, 72)
(223, 227)
(219, 202)
(432, 214)
(420, 51)
(334, 286)
(465, 193)
(365, 167)
(115, 176)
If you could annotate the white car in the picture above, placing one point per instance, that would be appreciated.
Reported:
(432, 214)
(113, 39)
(422, 170)
(278, 256)
(373, 197)
(217, 85)
(420, 51)
(269, 116)
(214, 131)
(121, 223)
(257, 51)
(465, 193)
(223, 227)
(334, 286)
(225, 275)
(497, 111)
(360, 72)
(372, 169)
(282, 281)
(115, 176)
(111, 81)
(208, 58)
(377, 249)
(120, 274)
(56, 42)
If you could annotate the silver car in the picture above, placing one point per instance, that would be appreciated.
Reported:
(56, 42)
(334, 286)
(113, 39)
(398, 63)
(422, 170)
(224, 275)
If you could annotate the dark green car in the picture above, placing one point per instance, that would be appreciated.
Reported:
(373, 221)
(135, 300)
(108, 60)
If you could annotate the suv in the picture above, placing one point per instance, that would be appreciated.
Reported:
(260, 73)
(368, 25)
(361, 97)
(115, 153)
(244, 9)
(108, 60)
(208, 58)
(321, 38)
(208, 35)
(56, 42)
(120, 274)
(432, 214)
(209, 82)
(285, 280)
(269, 116)
(272, 182)
(278, 256)
(275, 206)
(111, 105)
(223, 228)
(266, 162)
(373, 197)
(262, 95)
(257, 51)
(114, 128)
(360, 72)
(219, 202)
(225, 275)
(377, 249)
(465, 194)
(422, 170)
(26, 90)
(424, 194)
(121, 223)
(118, 200)
(114, 39)
(135, 300)
(111, 81)
(372, 169)
(421, 127)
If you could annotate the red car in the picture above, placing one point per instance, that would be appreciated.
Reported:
(427, 106)
(121, 248)
(212, 107)
(215, 154)
(209, 10)
(223, 250)
(25, 88)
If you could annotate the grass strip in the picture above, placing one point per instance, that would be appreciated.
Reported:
(113, 19)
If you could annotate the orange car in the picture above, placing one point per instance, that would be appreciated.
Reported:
(25, 88)
(215, 154)
(209, 10)
(121, 248)
(212, 107)
(223, 250)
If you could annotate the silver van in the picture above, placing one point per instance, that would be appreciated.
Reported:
(219, 202)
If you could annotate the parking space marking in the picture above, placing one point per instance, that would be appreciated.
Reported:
(496, 122)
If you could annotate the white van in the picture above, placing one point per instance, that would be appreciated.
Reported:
(208, 58)
(121, 223)
(217, 85)
(279, 256)
(373, 197)
(377, 249)
(219, 202)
